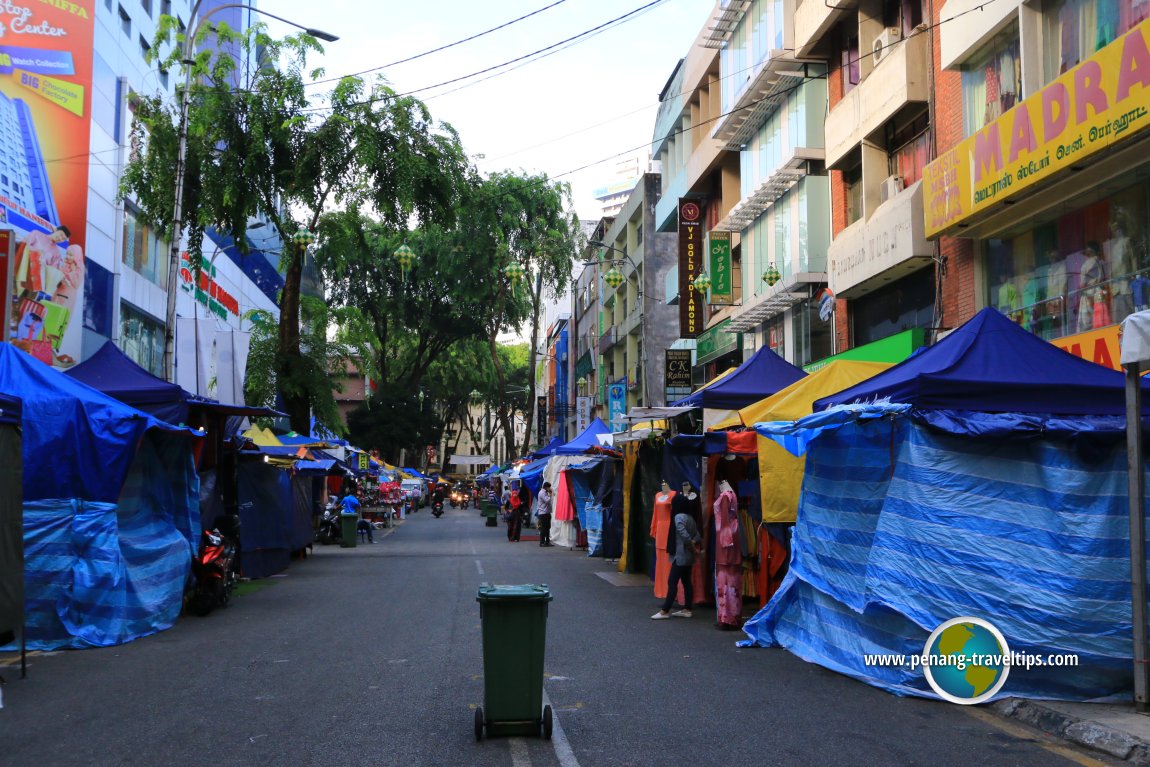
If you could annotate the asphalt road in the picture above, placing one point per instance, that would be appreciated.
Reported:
(372, 656)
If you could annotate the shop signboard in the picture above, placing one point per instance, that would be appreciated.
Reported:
(690, 262)
(1100, 346)
(364, 462)
(1100, 103)
(582, 414)
(722, 284)
(894, 348)
(45, 99)
(617, 404)
(677, 369)
(541, 418)
(716, 341)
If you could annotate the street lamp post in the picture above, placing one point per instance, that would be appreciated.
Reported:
(642, 318)
(181, 162)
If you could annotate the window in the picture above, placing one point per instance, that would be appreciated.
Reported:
(166, 7)
(813, 335)
(108, 4)
(125, 23)
(144, 252)
(910, 148)
(142, 339)
(849, 58)
(991, 81)
(1074, 270)
(144, 48)
(1074, 30)
(774, 335)
(147, 6)
(904, 14)
(852, 183)
(902, 305)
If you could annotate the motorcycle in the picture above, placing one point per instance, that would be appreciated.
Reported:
(437, 508)
(330, 530)
(214, 568)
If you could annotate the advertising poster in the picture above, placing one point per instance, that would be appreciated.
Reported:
(677, 369)
(617, 404)
(45, 115)
(690, 264)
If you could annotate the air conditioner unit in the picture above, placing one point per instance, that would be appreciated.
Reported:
(883, 43)
(891, 186)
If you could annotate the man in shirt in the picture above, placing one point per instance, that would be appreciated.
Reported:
(543, 503)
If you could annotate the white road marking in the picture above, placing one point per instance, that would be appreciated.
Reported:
(563, 750)
(479, 567)
(519, 754)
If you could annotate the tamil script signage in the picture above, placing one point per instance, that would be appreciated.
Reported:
(1102, 102)
(677, 369)
(722, 284)
(690, 260)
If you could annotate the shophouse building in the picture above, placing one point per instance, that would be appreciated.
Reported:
(700, 168)
(636, 324)
(770, 104)
(583, 335)
(1040, 193)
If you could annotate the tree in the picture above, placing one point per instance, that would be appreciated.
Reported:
(269, 150)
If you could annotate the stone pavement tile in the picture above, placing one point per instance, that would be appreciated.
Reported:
(1114, 729)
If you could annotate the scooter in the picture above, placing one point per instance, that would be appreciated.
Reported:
(330, 530)
(437, 508)
(214, 569)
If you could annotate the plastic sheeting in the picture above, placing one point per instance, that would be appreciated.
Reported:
(266, 513)
(596, 487)
(901, 528)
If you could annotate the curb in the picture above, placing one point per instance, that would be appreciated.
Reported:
(1083, 732)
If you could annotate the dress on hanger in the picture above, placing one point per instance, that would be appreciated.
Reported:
(728, 560)
(660, 527)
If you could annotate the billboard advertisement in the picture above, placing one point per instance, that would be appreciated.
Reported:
(45, 115)
(617, 404)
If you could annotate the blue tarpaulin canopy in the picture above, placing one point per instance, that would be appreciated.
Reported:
(549, 448)
(759, 377)
(9, 409)
(586, 440)
(415, 473)
(109, 370)
(992, 365)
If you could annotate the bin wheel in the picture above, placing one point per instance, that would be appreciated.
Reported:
(478, 723)
(547, 723)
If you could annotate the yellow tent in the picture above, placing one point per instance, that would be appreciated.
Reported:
(780, 473)
(262, 437)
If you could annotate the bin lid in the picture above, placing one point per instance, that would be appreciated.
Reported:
(489, 592)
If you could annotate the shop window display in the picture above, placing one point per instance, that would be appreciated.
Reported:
(1084, 270)
(1074, 30)
(991, 81)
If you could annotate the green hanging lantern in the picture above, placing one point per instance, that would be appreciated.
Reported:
(303, 237)
(702, 283)
(614, 278)
(406, 258)
(771, 276)
(514, 272)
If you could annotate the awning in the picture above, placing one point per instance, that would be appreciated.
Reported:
(655, 413)
(470, 460)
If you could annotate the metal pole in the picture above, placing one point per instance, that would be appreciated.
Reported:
(1137, 536)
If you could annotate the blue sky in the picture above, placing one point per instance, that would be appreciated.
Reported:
(581, 106)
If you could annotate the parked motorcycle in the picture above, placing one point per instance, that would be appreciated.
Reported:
(330, 530)
(214, 568)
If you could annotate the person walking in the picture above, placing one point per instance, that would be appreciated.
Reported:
(543, 505)
(683, 543)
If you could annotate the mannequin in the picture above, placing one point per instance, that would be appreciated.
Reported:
(660, 529)
(687, 502)
(728, 559)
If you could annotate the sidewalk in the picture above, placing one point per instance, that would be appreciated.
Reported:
(1114, 729)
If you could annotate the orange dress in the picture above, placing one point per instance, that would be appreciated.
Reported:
(660, 527)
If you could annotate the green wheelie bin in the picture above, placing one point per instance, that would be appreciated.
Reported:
(490, 514)
(514, 620)
(347, 523)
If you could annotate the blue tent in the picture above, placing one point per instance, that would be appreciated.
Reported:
(759, 377)
(990, 364)
(416, 473)
(109, 370)
(532, 474)
(548, 449)
(111, 511)
(586, 440)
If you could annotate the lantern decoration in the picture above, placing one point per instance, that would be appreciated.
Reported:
(702, 283)
(514, 272)
(771, 276)
(303, 237)
(614, 277)
(406, 258)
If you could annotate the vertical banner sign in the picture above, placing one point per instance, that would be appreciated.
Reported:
(677, 369)
(364, 462)
(617, 404)
(7, 251)
(45, 114)
(541, 419)
(722, 290)
(690, 261)
(582, 414)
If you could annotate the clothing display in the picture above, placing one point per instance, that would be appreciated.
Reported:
(692, 505)
(728, 559)
(660, 528)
